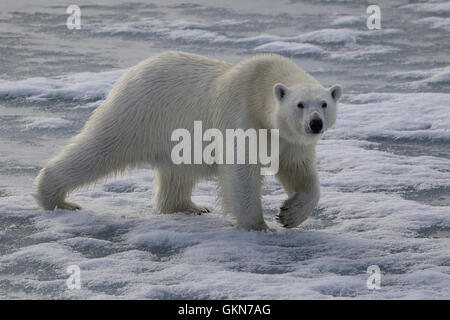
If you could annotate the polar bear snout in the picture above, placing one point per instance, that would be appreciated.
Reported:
(316, 125)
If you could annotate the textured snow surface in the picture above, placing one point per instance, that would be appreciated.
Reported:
(367, 215)
(75, 86)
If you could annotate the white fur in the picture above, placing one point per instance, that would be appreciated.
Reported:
(171, 91)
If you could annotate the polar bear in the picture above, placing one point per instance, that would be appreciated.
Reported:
(172, 90)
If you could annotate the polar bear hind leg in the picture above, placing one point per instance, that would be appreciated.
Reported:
(173, 191)
(84, 161)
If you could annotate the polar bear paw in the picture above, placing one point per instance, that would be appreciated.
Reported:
(196, 209)
(68, 206)
(260, 226)
(295, 210)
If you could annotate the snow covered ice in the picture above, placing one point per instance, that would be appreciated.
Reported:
(384, 167)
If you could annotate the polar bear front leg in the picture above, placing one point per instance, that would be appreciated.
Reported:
(240, 192)
(302, 186)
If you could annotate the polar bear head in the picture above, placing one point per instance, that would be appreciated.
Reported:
(304, 112)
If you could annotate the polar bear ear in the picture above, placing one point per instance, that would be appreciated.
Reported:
(336, 92)
(280, 91)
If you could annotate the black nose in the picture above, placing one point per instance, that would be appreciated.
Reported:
(316, 125)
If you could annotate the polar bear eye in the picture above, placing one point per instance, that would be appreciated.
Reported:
(300, 105)
(324, 105)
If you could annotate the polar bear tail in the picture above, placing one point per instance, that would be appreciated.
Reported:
(86, 159)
